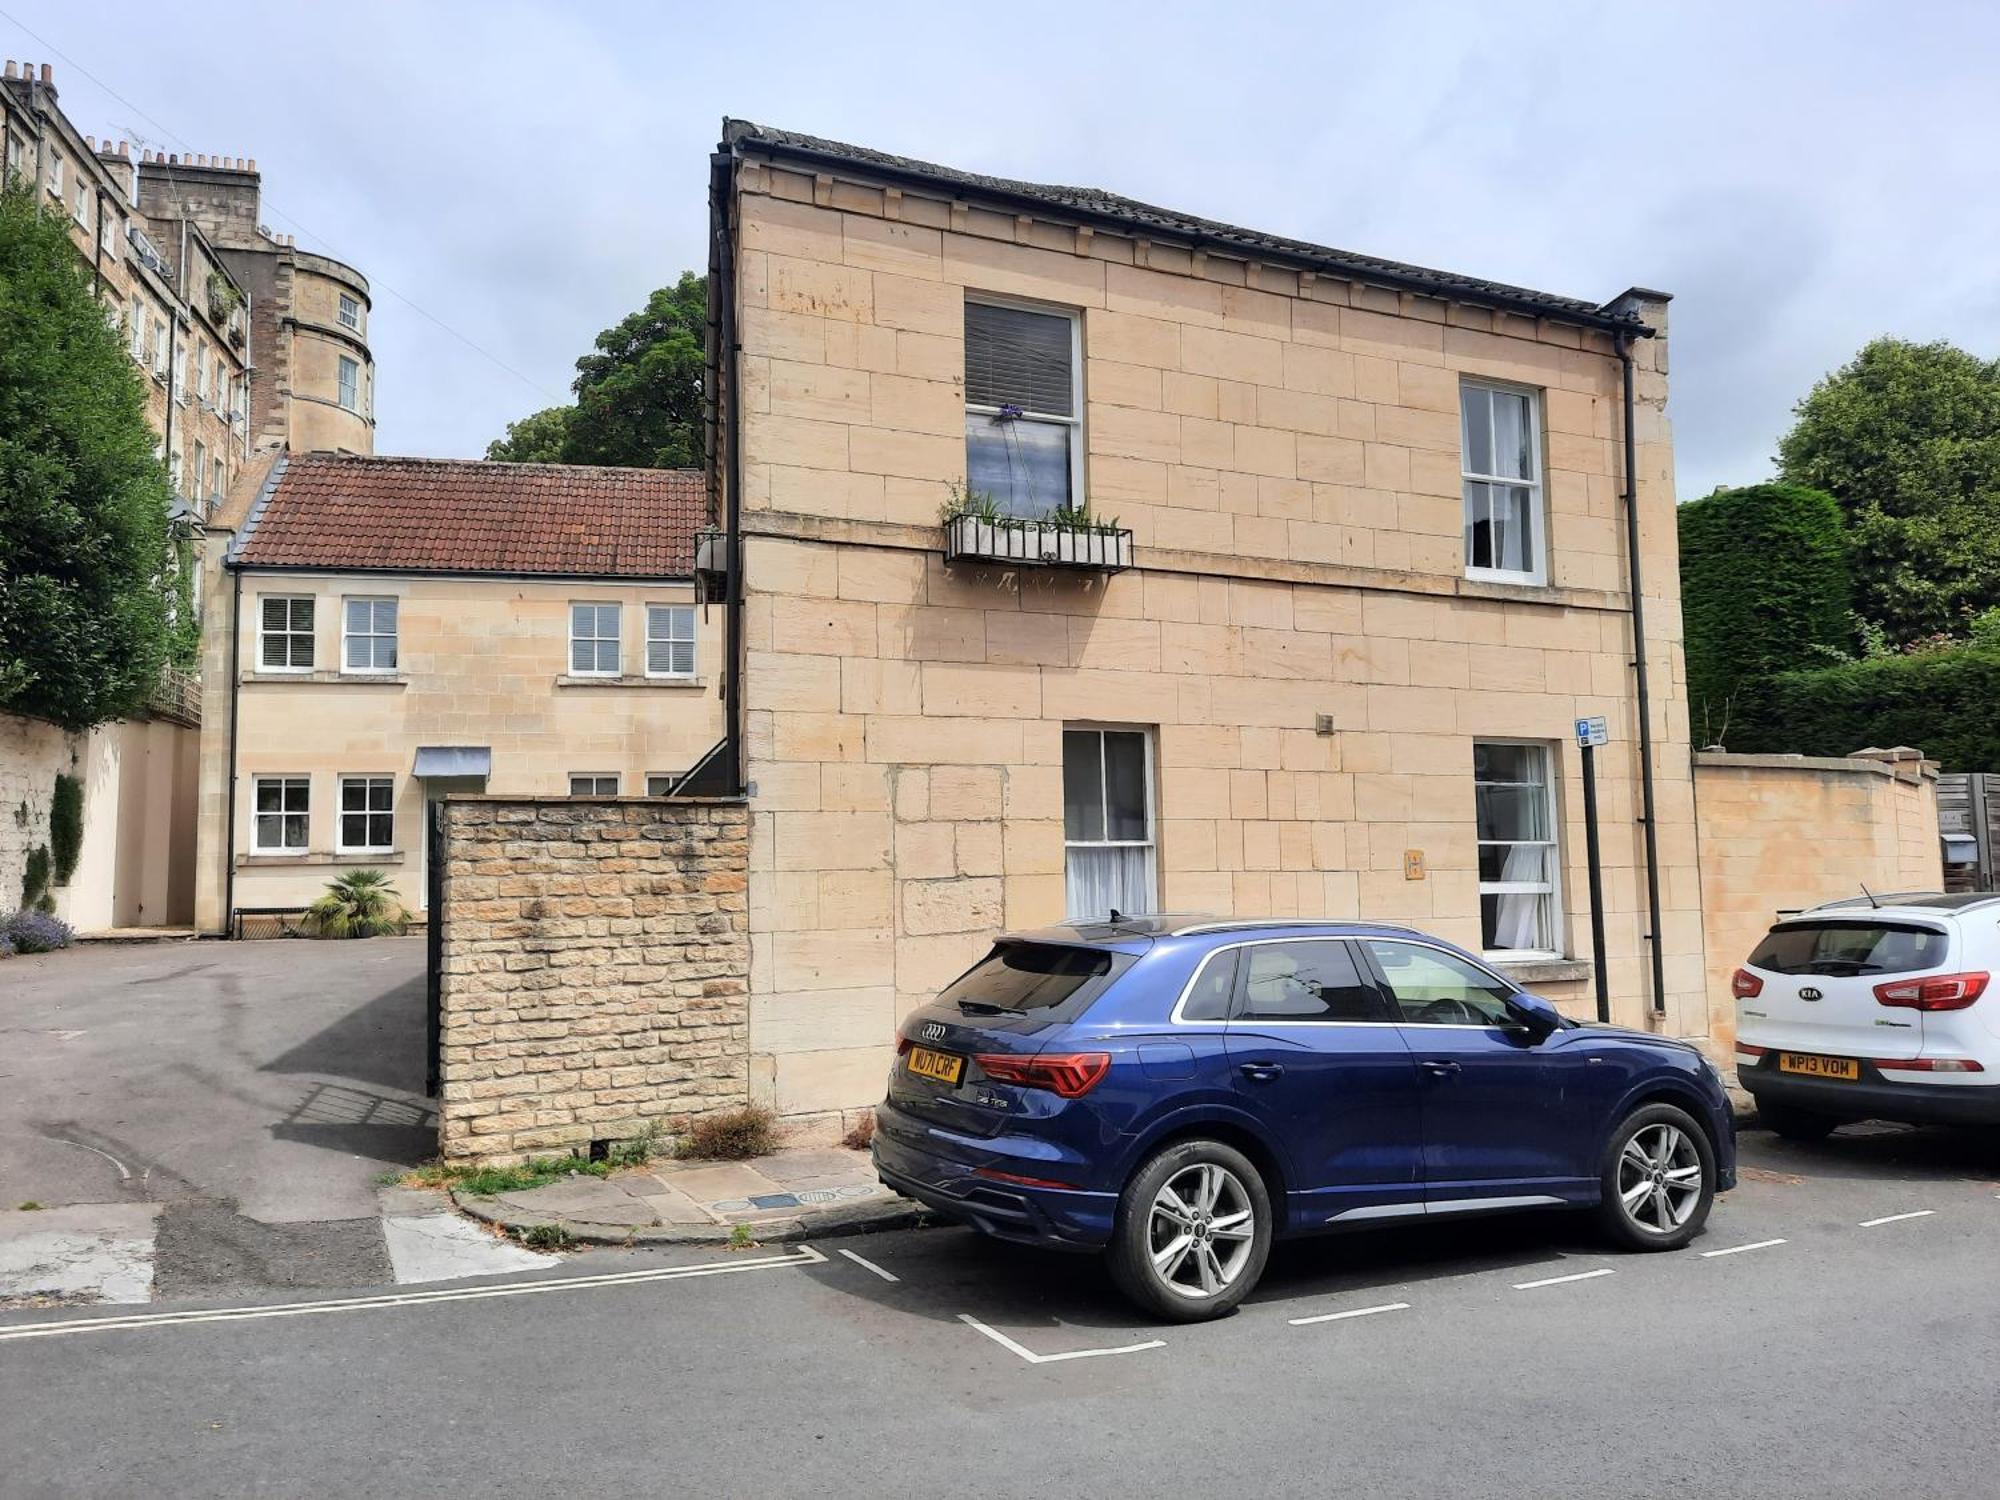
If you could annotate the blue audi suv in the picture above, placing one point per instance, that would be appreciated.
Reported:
(1177, 1092)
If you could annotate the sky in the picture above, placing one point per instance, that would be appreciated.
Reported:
(514, 177)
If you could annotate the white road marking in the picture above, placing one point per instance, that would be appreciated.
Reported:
(1895, 1218)
(124, 1175)
(1049, 1359)
(1529, 1286)
(869, 1265)
(1352, 1312)
(1739, 1249)
(805, 1256)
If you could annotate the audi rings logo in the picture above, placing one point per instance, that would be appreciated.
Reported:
(1807, 992)
(934, 1031)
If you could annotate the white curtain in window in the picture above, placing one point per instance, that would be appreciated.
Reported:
(1520, 919)
(1109, 878)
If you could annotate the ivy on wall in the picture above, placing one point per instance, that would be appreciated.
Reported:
(66, 827)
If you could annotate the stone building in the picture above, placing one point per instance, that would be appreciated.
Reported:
(250, 347)
(389, 630)
(308, 323)
(1356, 557)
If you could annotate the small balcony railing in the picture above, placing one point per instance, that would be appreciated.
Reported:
(1038, 544)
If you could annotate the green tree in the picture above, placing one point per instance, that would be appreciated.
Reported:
(638, 396)
(1907, 438)
(1746, 614)
(535, 439)
(87, 567)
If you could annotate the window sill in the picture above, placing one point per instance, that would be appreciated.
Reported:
(1541, 970)
(356, 679)
(317, 857)
(630, 682)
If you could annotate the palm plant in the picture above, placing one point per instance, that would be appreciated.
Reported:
(360, 903)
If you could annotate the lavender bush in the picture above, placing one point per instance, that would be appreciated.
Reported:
(35, 932)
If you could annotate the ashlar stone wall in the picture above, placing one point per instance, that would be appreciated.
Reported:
(595, 971)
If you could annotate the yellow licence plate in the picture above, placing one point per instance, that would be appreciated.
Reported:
(1819, 1067)
(939, 1067)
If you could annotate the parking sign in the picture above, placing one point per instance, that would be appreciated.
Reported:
(1592, 732)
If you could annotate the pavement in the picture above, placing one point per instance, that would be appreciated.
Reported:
(788, 1195)
(202, 1119)
(1835, 1333)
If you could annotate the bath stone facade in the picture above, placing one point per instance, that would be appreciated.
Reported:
(1310, 657)
(595, 971)
(390, 631)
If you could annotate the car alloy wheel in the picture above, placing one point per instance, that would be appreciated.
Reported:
(1659, 1178)
(1200, 1230)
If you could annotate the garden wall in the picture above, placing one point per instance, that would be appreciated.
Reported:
(32, 755)
(1782, 832)
(594, 970)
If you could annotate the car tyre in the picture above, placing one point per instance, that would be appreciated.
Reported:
(1193, 1231)
(1793, 1123)
(1657, 1180)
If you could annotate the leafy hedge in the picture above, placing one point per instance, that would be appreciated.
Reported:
(1943, 702)
(1764, 589)
(66, 827)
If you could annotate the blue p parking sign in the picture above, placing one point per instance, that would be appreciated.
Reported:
(1592, 732)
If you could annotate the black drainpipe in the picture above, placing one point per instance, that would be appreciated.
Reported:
(1647, 817)
(721, 202)
(235, 684)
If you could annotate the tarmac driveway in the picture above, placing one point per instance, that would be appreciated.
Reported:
(235, 1101)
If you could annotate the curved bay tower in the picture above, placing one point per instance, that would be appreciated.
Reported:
(313, 381)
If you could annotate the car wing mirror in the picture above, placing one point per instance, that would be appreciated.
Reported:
(1535, 1015)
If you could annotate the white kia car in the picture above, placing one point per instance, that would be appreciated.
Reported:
(1874, 1009)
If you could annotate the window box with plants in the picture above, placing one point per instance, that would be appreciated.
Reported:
(976, 529)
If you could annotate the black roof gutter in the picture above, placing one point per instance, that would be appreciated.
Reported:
(1330, 265)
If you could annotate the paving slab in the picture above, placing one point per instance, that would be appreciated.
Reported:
(790, 1168)
(442, 1246)
(98, 1252)
(716, 1182)
(676, 1208)
(592, 1200)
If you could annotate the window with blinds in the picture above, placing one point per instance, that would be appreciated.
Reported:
(1023, 407)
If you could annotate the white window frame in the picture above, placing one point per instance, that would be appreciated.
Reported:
(1538, 553)
(692, 638)
(1075, 423)
(178, 381)
(81, 211)
(366, 814)
(346, 633)
(1151, 843)
(660, 783)
(342, 315)
(138, 332)
(288, 633)
(56, 174)
(1551, 889)
(201, 370)
(257, 844)
(569, 662)
(593, 776)
(343, 389)
(159, 350)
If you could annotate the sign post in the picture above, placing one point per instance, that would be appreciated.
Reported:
(1590, 733)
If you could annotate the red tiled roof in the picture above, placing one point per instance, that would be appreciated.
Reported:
(432, 515)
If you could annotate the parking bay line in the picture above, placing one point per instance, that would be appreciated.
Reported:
(869, 1265)
(1922, 1213)
(1529, 1286)
(1739, 1249)
(1049, 1359)
(804, 1256)
(1352, 1312)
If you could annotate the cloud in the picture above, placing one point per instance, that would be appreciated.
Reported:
(1802, 176)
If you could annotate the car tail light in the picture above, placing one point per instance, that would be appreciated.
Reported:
(994, 1174)
(1070, 1074)
(1744, 985)
(902, 1044)
(1750, 1049)
(1938, 992)
(1928, 1064)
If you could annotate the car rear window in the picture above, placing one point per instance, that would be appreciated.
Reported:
(1849, 948)
(1017, 977)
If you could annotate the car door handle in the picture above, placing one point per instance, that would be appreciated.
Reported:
(1439, 1067)
(1261, 1072)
